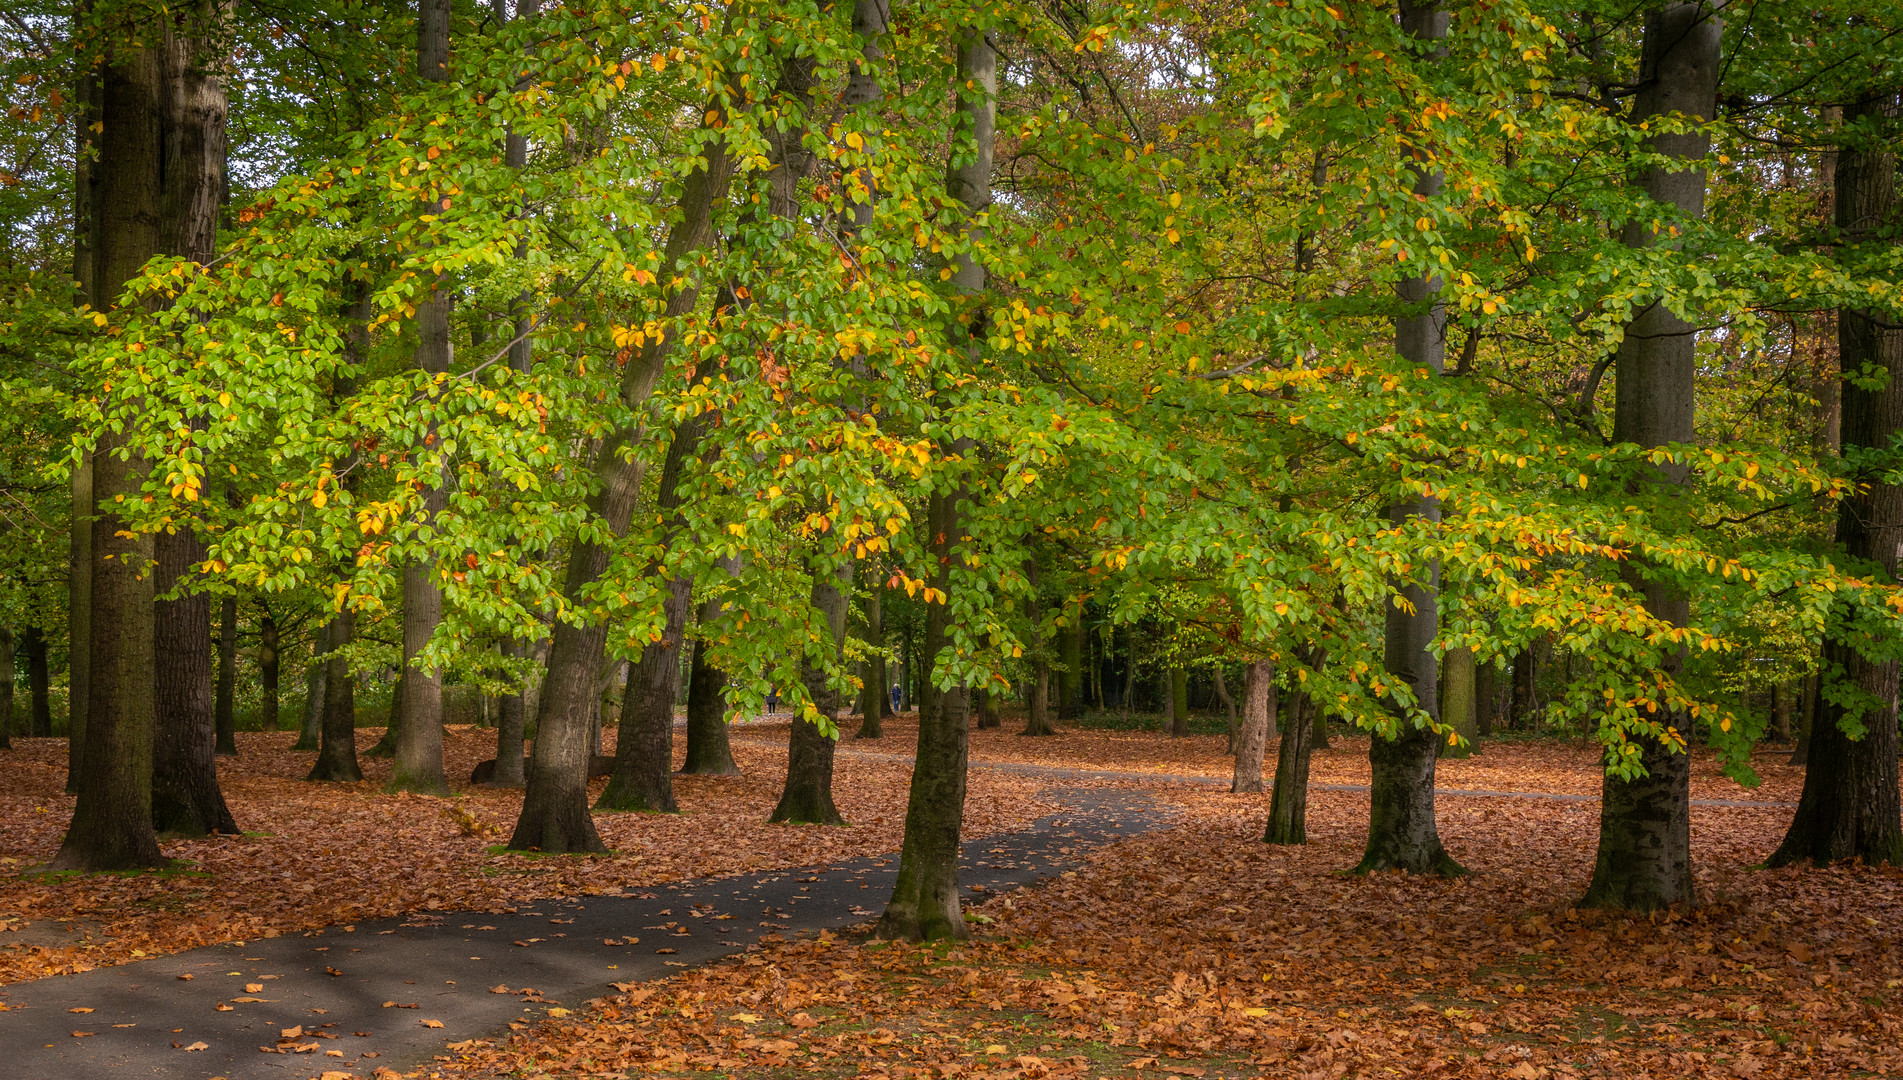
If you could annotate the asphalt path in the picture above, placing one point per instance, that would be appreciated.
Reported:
(351, 999)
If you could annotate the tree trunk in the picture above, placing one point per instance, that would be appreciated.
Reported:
(924, 904)
(1037, 712)
(1070, 656)
(1781, 711)
(268, 666)
(1258, 722)
(875, 702)
(337, 757)
(1179, 702)
(1228, 707)
(1800, 753)
(310, 732)
(1288, 802)
(1644, 859)
(185, 794)
(1521, 705)
(554, 814)
(644, 740)
(80, 567)
(418, 764)
(808, 795)
(38, 683)
(709, 753)
(1459, 706)
(511, 717)
(1486, 697)
(1402, 834)
(385, 747)
(1850, 806)
(223, 715)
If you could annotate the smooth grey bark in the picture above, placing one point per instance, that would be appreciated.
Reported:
(1644, 858)
(1259, 707)
(1849, 807)
(223, 716)
(924, 904)
(1402, 832)
(1179, 702)
(185, 795)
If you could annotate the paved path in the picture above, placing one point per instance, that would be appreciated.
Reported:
(440, 967)
(1059, 772)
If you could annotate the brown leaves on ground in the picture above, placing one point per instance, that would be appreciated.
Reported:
(1199, 951)
(312, 852)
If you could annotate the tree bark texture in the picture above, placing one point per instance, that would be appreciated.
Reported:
(875, 700)
(185, 794)
(1179, 702)
(80, 564)
(1849, 807)
(709, 753)
(808, 794)
(1259, 701)
(511, 718)
(1459, 707)
(224, 719)
(1070, 657)
(1288, 802)
(269, 666)
(1644, 859)
(310, 731)
(644, 740)
(337, 754)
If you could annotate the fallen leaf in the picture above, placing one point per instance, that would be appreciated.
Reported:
(201, 1045)
(254, 988)
(431, 1023)
(292, 1032)
(81, 1034)
(79, 1009)
(184, 975)
(222, 1007)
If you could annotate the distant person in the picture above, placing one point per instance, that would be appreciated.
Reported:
(772, 702)
(897, 694)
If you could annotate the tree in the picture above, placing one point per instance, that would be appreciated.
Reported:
(1402, 833)
(1644, 858)
(1849, 807)
(1259, 715)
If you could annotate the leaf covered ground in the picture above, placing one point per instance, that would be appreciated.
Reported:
(1192, 951)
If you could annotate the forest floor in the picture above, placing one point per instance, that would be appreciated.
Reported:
(1191, 951)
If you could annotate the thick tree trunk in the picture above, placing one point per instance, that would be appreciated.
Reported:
(808, 795)
(1644, 859)
(511, 718)
(1259, 707)
(644, 739)
(1850, 807)
(39, 680)
(1179, 702)
(1288, 802)
(337, 756)
(1459, 704)
(709, 753)
(185, 794)
(418, 764)
(1781, 711)
(224, 720)
(1800, 752)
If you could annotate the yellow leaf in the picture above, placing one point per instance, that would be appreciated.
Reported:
(439, 1023)
(318, 499)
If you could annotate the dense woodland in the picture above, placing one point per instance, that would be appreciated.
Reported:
(1422, 369)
